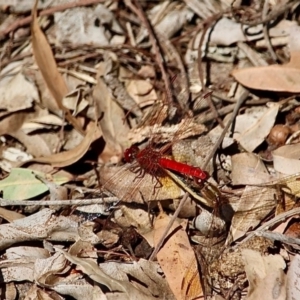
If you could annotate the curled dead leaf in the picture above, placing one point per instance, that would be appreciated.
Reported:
(67, 158)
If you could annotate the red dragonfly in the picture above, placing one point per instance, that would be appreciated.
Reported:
(149, 164)
(151, 160)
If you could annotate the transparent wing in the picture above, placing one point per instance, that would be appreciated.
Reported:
(129, 187)
(256, 203)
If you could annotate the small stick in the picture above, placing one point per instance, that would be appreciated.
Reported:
(271, 223)
(266, 31)
(276, 236)
(138, 10)
(160, 243)
(207, 24)
(239, 103)
(78, 202)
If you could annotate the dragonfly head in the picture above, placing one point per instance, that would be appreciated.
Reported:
(200, 181)
(131, 153)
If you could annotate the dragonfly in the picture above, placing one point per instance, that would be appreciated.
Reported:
(152, 164)
(151, 160)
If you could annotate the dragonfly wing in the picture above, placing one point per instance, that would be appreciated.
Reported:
(130, 187)
(251, 208)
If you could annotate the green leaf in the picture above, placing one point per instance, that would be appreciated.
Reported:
(22, 184)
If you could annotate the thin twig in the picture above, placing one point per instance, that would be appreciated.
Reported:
(277, 236)
(266, 31)
(184, 95)
(276, 220)
(138, 10)
(239, 103)
(208, 23)
(78, 202)
(164, 235)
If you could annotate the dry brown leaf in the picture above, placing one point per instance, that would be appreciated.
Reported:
(19, 263)
(191, 286)
(252, 209)
(79, 288)
(91, 269)
(81, 26)
(53, 272)
(46, 96)
(10, 215)
(73, 139)
(142, 92)
(147, 71)
(112, 122)
(16, 99)
(11, 157)
(46, 120)
(177, 259)
(110, 75)
(36, 292)
(248, 168)
(150, 280)
(283, 226)
(163, 134)
(135, 217)
(275, 78)
(75, 101)
(252, 128)
(34, 144)
(12, 122)
(83, 247)
(38, 227)
(67, 158)
(286, 159)
(47, 65)
(265, 274)
(227, 32)
(108, 238)
(256, 202)
(46, 269)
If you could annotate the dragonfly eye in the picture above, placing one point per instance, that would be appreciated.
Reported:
(198, 181)
(130, 154)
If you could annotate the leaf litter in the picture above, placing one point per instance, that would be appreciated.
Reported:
(213, 85)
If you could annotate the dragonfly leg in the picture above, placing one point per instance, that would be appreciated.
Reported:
(137, 170)
(157, 185)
